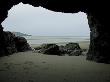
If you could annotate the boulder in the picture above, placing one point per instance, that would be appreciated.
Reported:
(72, 49)
(21, 44)
(51, 49)
(72, 46)
(11, 44)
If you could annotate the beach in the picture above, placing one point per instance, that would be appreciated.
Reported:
(36, 67)
(34, 41)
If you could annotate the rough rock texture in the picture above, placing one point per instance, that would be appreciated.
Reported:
(99, 49)
(51, 49)
(21, 44)
(98, 16)
(62, 49)
(72, 49)
(11, 44)
(8, 42)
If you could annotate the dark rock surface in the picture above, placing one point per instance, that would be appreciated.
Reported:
(99, 38)
(97, 14)
(21, 44)
(72, 49)
(12, 44)
(51, 49)
(62, 49)
(9, 46)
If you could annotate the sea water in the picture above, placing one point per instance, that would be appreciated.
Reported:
(55, 39)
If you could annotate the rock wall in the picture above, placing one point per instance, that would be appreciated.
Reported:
(11, 44)
(97, 12)
(99, 37)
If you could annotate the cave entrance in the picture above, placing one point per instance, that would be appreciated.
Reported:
(45, 26)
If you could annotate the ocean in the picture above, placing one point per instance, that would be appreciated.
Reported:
(55, 39)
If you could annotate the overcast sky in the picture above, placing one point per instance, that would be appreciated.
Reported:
(42, 22)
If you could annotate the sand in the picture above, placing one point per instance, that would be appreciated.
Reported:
(35, 67)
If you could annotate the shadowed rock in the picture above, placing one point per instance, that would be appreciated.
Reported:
(12, 44)
(51, 49)
(9, 43)
(62, 49)
(21, 44)
(72, 49)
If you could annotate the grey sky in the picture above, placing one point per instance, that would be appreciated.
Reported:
(40, 21)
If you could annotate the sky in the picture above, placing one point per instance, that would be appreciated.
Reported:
(39, 21)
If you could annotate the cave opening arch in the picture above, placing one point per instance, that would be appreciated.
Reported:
(60, 28)
(99, 36)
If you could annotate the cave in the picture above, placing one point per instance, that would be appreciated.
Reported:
(97, 19)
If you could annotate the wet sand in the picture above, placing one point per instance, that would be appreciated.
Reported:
(35, 67)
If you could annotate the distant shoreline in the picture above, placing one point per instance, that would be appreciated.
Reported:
(59, 36)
